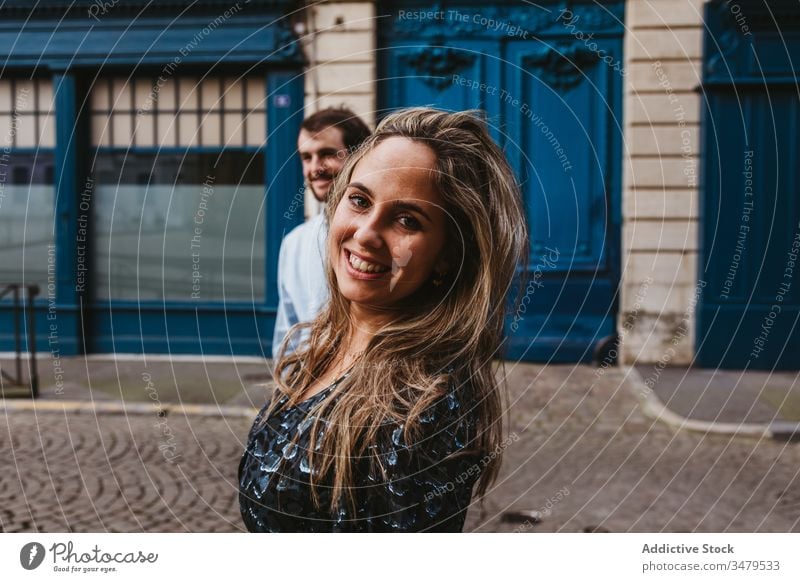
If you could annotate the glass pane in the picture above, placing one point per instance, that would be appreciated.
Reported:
(99, 96)
(47, 131)
(210, 94)
(6, 100)
(144, 130)
(234, 97)
(211, 129)
(144, 94)
(188, 93)
(25, 96)
(179, 227)
(26, 131)
(188, 130)
(166, 96)
(45, 95)
(100, 130)
(234, 129)
(255, 93)
(26, 218)
(122, 126)
(121, 95)
(166, 130)
(5, 130)
(256, 129)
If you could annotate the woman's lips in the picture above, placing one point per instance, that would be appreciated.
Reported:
(356, 274)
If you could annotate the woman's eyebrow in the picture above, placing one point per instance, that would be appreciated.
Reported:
(360, 186)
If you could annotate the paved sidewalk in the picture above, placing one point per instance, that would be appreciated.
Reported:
(583, 454)
(212, 380)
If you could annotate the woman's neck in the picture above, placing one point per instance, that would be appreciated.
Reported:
(364, 325)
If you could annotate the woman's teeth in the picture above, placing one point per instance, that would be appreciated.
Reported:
(366, 267)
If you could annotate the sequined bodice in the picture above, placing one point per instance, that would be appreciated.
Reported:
(425, 486)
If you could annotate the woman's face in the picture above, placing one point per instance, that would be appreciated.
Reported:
(388, 231)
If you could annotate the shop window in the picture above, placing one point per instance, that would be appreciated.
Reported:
(27, 140)
(178, 178)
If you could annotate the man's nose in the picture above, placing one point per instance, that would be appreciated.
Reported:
(317, 165)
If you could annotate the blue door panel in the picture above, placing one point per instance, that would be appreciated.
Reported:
(554, 106)
(560, 161)
(748, 315)
(442, 75)
(560, 323)
(749, 308)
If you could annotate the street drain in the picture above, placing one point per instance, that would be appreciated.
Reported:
(596, 529)
(522, 516)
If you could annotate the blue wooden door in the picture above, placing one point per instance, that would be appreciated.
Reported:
(750, 211)
(549, 80)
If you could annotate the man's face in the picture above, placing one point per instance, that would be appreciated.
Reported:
(323, 155)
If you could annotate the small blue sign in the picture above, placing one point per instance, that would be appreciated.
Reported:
(282, 100)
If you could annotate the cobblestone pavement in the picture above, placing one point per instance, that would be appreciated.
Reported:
(581, 452)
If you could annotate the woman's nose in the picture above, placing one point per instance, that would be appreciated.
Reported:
(368, 233)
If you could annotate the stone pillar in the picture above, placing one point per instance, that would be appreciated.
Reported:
(660, 284)
(339, 43)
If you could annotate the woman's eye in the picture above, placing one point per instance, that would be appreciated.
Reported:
(410, 222)
(358, 201)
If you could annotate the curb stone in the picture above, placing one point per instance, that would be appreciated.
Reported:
(653, 407)
(81, 407)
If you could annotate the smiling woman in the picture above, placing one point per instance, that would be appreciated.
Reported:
(391, 213)
(385, 417)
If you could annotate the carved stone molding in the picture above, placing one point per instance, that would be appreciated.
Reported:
(560, 66)
(738, 31)
(437, 64)
(513, 20)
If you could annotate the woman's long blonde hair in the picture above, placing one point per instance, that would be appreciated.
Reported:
(458, 325)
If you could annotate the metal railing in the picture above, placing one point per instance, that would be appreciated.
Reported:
(23, 309)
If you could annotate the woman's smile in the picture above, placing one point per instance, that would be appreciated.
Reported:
(359, 267)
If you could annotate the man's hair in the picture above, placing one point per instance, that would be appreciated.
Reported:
(354, 131)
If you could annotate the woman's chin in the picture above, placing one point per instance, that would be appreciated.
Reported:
(368, 303)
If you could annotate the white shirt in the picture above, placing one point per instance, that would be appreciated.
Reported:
(302, 288)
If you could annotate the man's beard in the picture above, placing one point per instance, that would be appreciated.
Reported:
(315, 190)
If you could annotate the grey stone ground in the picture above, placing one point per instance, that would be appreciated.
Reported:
(585, 455)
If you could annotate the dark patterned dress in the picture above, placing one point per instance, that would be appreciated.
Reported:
(425, 485)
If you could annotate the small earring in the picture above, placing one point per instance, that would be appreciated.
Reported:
(438, 280)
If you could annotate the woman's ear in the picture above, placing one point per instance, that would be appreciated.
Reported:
(442, 266)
